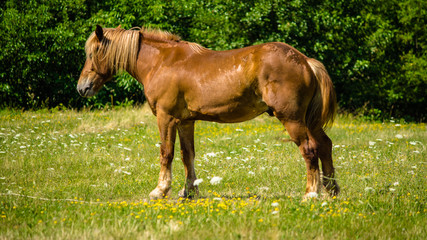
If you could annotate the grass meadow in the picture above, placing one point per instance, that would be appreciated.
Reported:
(87, 175)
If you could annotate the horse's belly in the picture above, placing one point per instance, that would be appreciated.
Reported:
(231, 112)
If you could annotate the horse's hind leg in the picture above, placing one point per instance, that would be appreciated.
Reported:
(309, 150)
(186, 138)
(325, 155)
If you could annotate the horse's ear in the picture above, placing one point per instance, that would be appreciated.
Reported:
(118, 27)
(99, 32)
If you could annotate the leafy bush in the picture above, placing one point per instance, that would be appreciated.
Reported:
(374, 50)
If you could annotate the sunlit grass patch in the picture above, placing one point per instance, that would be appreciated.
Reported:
(88, 174)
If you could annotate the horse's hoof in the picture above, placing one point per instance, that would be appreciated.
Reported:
(331, 186)
(335, 190)
(182, 193)
(310, 195)
(157, 194)
(189, 194)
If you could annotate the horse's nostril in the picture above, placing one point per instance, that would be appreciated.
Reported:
(84, 89)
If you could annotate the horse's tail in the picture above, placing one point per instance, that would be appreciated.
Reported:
(322, 108)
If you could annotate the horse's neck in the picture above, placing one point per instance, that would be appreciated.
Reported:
(150, 55)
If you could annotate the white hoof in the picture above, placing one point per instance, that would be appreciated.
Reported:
(311, 195)
(158, 194)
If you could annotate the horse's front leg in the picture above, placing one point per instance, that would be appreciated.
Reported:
(167, 127)
(186, 139)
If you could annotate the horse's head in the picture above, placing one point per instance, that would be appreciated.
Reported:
(96, 71)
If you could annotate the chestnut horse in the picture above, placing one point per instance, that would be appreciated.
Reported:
(185, 82)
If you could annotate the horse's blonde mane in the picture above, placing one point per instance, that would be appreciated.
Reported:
(158, 34)
(119, 47)
(161, 35)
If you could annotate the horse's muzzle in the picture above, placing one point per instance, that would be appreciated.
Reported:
(86, 89)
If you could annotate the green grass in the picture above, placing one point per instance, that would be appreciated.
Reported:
(88, 175)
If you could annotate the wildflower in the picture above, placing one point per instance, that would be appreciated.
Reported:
(215, 180)
(371, 143)
(211, 154)
(413, 143)
(275, 212)
(324, 204)
(399, 136)
(197, 182)
(251, 173)
(392, 189)
(369, 189)
(275, 204)
(395, 183)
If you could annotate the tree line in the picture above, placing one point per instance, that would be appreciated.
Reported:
(374, 50)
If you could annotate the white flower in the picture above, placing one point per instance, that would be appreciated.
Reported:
(399, 136)
(275, 212)
(324, 204)
(275, 204)
(239, 130)
(371, 143)
(392, 189)
(215, 180)
(413, 143)
(369, 189)
(251, 173)
(312, 195)
(211, 154)
(396, 183)
(197, 182)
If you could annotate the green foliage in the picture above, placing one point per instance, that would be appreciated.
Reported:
(375, 51)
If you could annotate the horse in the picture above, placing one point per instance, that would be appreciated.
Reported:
(185, 82)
